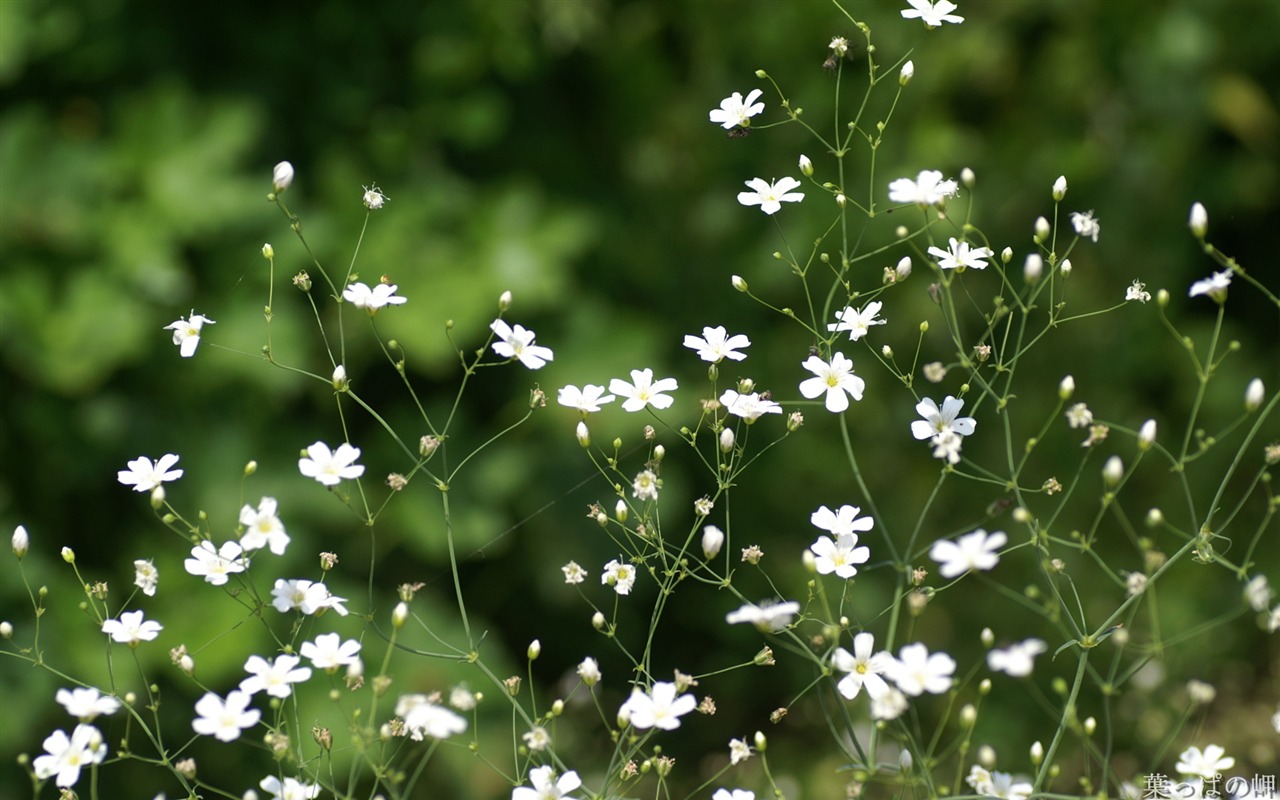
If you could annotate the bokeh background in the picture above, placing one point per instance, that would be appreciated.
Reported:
(560, 149)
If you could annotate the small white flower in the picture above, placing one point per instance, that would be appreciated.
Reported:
(644, 390)
(890, 706)
(305, 596)
(216, 565)
(66, 755)
(928, 189)
(1212, 761)
(960, 254)
(146, 576)
(263, 528)
(131, 628)
(736, 794)
(748, 406)
(288, 789)
(573, 573)
(143, 476)
(517, 342)
(546, 786)
(537, 738)
(976, 551)
(1079, 416)
(739, 751)
(373, 299)
(946, 446)
(841, 522)
(936, 421)
(1137, 291)
(835, 379)
(620, 576)
(932, 14)
(1017, 660)
(276, 678)
(865, 668)
(373, 198)
(589, 671)
(770, 196)
(1257, 593)
(186, 332)
(839, 555)
(588, 399)
(87, 703)
(331, 467)
(658, 708)
(645, 486)
(715, 345)
(1085, 225)
(767, 617)
(736, 111)
(916, 671)
(1215, 286)
(329, 652)
(224, 720)
(857, 323)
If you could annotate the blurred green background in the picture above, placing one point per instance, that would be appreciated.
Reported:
(561, 149)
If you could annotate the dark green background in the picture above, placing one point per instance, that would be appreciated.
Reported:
(561, 150)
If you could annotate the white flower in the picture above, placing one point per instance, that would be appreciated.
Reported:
(328, 651)
(1017, 660)
(748, 406)
(620, 576)
(224, 720)
(932, 14)
(659, 708)
(588, 399)
(1215, 286)
(1085, 225)
(216, 565)
(517, 342)
(946, 446)
(734, 110)
(282, 176)
(643, 390)
(770, 196)
(462, 698)
(331, 467)
(1137, 291)
(1257, 593)
(864, 668)
(839, 555)
(537, 738)
(928, 189)
(546, 786)
(715, 345)
(144, 476)
(276, 678)
(739, 751)
(768, 616)
(645, 486)
(373, 198)
(305, 596)
(263, 528)
(573, 573)
(186, 332)
(289, 788)
(145, 576)
(736, 794)
(961, 254)
(997, 784)
(974, 550)
(940, 421)
(835, 378)
(131, 628)
(1212, 761)
(841, 522)
(87, 703)
(589, 671)
(857, 323)
(916, 671)
(1079, 416)
(423, 718)
(371, 300)
(67, 755)
(890, 706)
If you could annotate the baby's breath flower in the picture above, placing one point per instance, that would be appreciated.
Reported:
(573, 573)
(1198, 221)
(1079, 415)
(282, 176)
(1137, 291)
(1085, 225)
(373, 198)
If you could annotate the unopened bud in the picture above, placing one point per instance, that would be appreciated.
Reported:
(339, 379)
(806, 166)
(1006, 255)
(712, 541)
(968, 715)
(68, 555)
(504, 301)
(726, 440)
(905, 761)
(988, 638)
(268, 252)
(597, 620)
(535, 650)
(1037, 753)
(1065, 267)
(620, 510)
(282, 176)
(157, 498)
(987, 756)
(1253, 395)
(1060, 188)
(968, 178)
(1147, 435)
(1113, 471)
(20, 541)
(903, 269)
(908, 71)
(400, 614)
(762, 743)
(1199, 221)
(1033, 268)
(1066, 387)
(738, 283)
(1090, 725)
(1155, 517)
(886, 351)
(1040, 230)
(6, 630)
(583, 435)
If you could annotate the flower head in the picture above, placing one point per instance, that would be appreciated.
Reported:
(305, 596)
(768, 617)
(857, 323)
(715, 345)
(145, 576)
(331, 467)
(216, 565)
(644, 390)
(87, 703)
(865, 668)
(770, 196)
(282, 176)
(932, 14)
(144, 476)
(1213, 760)
(423, 718)
(1017, 659)
(276, 678)
(916, 671)
(1085, 225)
(839, 555)
(546, 786)
(132, 629)
(620, 576)
(748, 406)
(841, 522)
(1215, 286)
(928, 189)
(289, 788)
(263, 528)
(517, 342)
(589, 671)
(371, 300)
(735, 111)
(66, 755)
(659, 707)
(373, 198)
(835, 379)
(938, 421)
(1137, 291)
(224, 719)
(959, 254)
(588, 399)
(976, 550)
(186, 333)
(328, 651)
(573, 573)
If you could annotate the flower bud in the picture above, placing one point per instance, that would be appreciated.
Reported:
(1060, 188)
(659, 453)
(1037, 753)
(1033, 268)
(1041, 230)
(968, 178)
(157, 498)
(1154, 518)
(1199, 221)
(762, 743)
(339, 379)
(282, 176)
(427, 445)
(987, 756)
(620, 510)
(806, 166)
(400, 614)
(984, 688)
(583, 435)
(1253, 395)
(903, 269)
(726, 440)
(712, 541)
(968, 715)
(988, 638)
(597, 620)
(905, 761)
(908, 71)
(6, 630)
(738, 283)
(1006, 255)
(20, 541)
(1065, 267)
(886, 351)
(1147, 435)
(268, 252)
(1067, 387)
(1090, 725)
(68, 555)
(504, 301)
(186, 663)
(535, 650)
(1113, 470)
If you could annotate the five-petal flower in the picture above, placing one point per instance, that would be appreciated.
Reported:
(132, 629)
(588, 399)
(834, 378)
(960, 254)
(144, 476)
(938, 421)
(736, 111)
(928, 189)
(770, 196)
(331, 467)
(225, 719)
(865, 668)
(644, 390)
(517, 342)
(659, 707)
(857, 323)
(715, 345)
(932, 14)
(186, 333)
(372, 299)
(976, 550)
